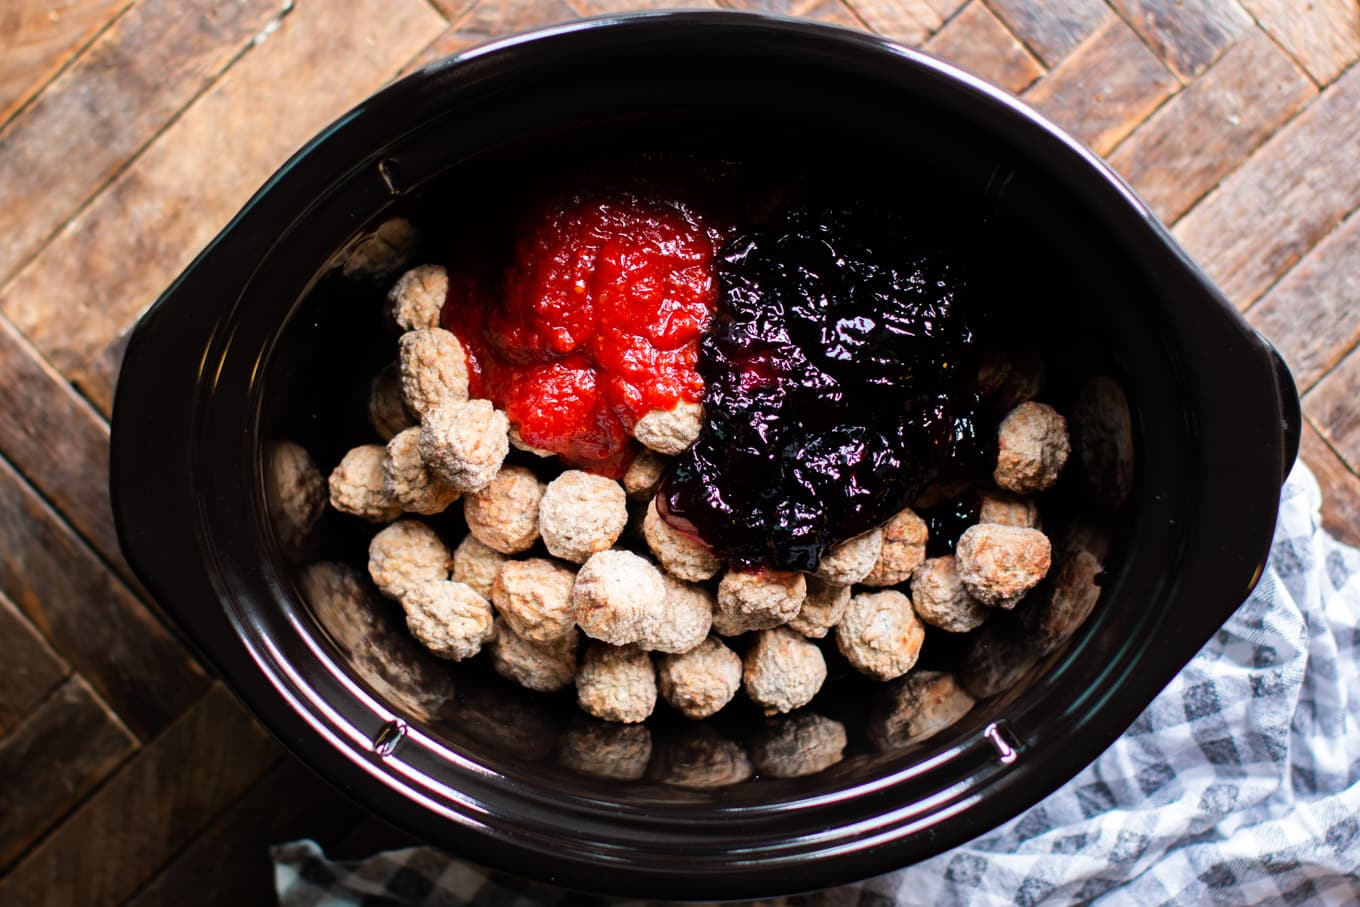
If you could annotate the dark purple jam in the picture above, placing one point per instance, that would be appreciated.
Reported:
(840, 379)
(947, 521)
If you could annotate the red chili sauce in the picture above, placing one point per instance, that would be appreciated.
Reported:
(595, 321)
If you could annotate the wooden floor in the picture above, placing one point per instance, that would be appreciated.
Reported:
(132, 130)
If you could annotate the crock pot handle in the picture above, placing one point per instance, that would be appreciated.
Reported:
(1291, 415)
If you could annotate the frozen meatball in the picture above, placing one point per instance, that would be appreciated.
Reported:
(916, 707)
(433, 369)
(822, 609)
(356, 485)
(464, 442)
(683, 621)
(417, 298)
(534, 598)
(670, 431)
(615, 752)
(904, 548)
(384, 251)
(477, 565)
(999, 564)
(448, 618)
(782, 670)
(581, 514)
(295, 495)
(758, 599)
(939, 599)
(644, 475)
(536, 666)
(1075, 591)
(504, 514)
(996, 506)
(617, 595)
(409, 482)
(518, 443)
(616, 683)
(798, 745)
(1103, 437)
(852, 560)
(1032, 448)
(682, 556)
(880, 634)
(386, 410)
(700, 759)
(698, 683)
(405, 556)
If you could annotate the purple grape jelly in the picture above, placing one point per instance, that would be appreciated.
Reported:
(840, 379)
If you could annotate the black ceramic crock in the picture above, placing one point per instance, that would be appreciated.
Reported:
(1214, 418)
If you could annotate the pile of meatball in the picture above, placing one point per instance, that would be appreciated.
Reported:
(578, 581)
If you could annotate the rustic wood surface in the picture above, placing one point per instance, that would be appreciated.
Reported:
(132, 130)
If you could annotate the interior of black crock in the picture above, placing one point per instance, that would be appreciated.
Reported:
(1061, 285)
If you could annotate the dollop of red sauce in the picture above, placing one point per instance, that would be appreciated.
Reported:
(594, 322)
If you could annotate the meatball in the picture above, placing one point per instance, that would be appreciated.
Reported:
(616, 683)
(405, 556)
(798, 745)
(682, 556)
(758, 600)
(504, 514)
(670, 431)
(448, 618)
(999, 564)
(782, 670)
(822, 609)
(536, 666)
(851, 560)
(618, 595)
(534, 598)
(433, 369)
(417, 298)
(938, 596)
(880, 634)
(1032, 448)
(356, 485)
(409, 482)
(683, 621)
(477, 565)
(464, 442)
(904, 548)
(581, 514)
(644, 475)
(1008, 509)
(698, 683)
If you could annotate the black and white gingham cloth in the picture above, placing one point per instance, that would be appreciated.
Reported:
(1239, 785)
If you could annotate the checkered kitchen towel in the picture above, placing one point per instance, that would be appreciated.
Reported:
(1239, 785)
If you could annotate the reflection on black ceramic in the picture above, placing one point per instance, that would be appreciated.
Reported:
(247, 346)
(916, 707)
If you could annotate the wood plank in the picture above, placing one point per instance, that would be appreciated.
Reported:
(908, 21)
(89, 616)
(1187, 34)
(600, 7)
(38, 38)
(1340, 486)
(228, 864)
(165, 794)
(452, 9)
(832, 12)
(1290, 194)
(1198, 137)
(1331, 406)
(31, 668)
(487, 20)
(1323, 35)
(1052, 29)
(52, 760)
(1313, 314)
(1105, 88)
(979, 42)
(58, 441)
(59, 152)
(109, 263)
